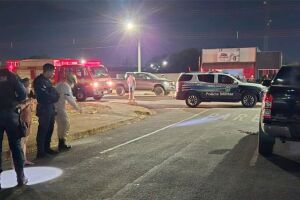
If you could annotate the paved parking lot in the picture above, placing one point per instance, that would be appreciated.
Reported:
(209, 152)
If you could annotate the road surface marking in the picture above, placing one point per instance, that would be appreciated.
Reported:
(154, 132)
(254, 158)
(151, 171)
(256, 118)
(240, 117)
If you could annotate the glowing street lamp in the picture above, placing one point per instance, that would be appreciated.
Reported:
(165, 63)
(130, 26)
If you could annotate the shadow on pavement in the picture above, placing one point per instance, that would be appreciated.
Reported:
(235, 177)
(291, 166)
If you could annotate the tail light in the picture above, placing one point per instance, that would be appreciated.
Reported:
(179, 86)
(267, 106)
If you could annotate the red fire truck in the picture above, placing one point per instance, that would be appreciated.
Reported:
(93, 78)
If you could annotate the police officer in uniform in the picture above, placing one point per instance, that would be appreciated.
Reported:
(46, 96)
(12, 93)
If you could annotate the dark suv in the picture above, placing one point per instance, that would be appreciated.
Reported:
(198, 87)
(280, 114)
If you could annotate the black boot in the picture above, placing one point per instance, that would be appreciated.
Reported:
(62, 146)
(51, 152)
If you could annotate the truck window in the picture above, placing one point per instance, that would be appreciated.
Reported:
(207, 78)
(287, 76)
(141, 76)
(224, 79)
(99, 72)
(185, 77)
(81, 72)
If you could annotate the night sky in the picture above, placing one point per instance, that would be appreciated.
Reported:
(93, 29)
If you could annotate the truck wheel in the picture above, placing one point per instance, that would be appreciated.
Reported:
(120, 90)
(192, 100)
(265, 143)
(80, 96)
(98, 97)
(249, 100)
(167, 93)
(159, 91)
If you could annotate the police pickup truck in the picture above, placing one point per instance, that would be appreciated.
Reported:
(198, 87)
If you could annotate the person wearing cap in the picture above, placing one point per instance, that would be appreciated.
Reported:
(46, 96)
(12, 94)
(64, 89)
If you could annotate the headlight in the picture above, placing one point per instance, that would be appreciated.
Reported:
(95, 84)
(110, 83)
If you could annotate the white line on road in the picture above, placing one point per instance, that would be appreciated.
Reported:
(154, 132)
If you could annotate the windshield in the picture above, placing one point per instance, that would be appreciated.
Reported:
(99, 72)
(287, 76)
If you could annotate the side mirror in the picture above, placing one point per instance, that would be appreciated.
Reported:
(267, 82)
(235, 82)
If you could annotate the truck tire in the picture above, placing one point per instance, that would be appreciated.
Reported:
(249, 100)
(192, 100)
(265, 143)
(98, 97)
(159, 91)
(80, 95)
(120, 90)
(167, 93)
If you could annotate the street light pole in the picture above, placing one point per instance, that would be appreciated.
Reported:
(130, 26)
(139, 54)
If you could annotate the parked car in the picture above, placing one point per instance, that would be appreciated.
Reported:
(280, 113)
(145, 81)
(199, 87)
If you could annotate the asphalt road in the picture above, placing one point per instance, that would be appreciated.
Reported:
(205, 153)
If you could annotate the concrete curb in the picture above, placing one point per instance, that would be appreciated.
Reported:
(79, 135)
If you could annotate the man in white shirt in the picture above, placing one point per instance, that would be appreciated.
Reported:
(64, 88)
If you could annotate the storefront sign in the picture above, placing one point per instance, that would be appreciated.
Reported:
(229, 55)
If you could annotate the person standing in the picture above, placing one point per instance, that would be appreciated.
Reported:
(12, 94)
(46, 96)
(26, 116)
(131, 87)
(64, 89)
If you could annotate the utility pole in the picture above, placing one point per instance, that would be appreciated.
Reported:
(267, 24)
(139, 55)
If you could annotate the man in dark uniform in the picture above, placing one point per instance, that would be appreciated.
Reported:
(12, 93)
(46, 96)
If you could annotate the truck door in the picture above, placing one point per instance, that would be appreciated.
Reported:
(207, 87)
(142, 81)
(228, 88)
